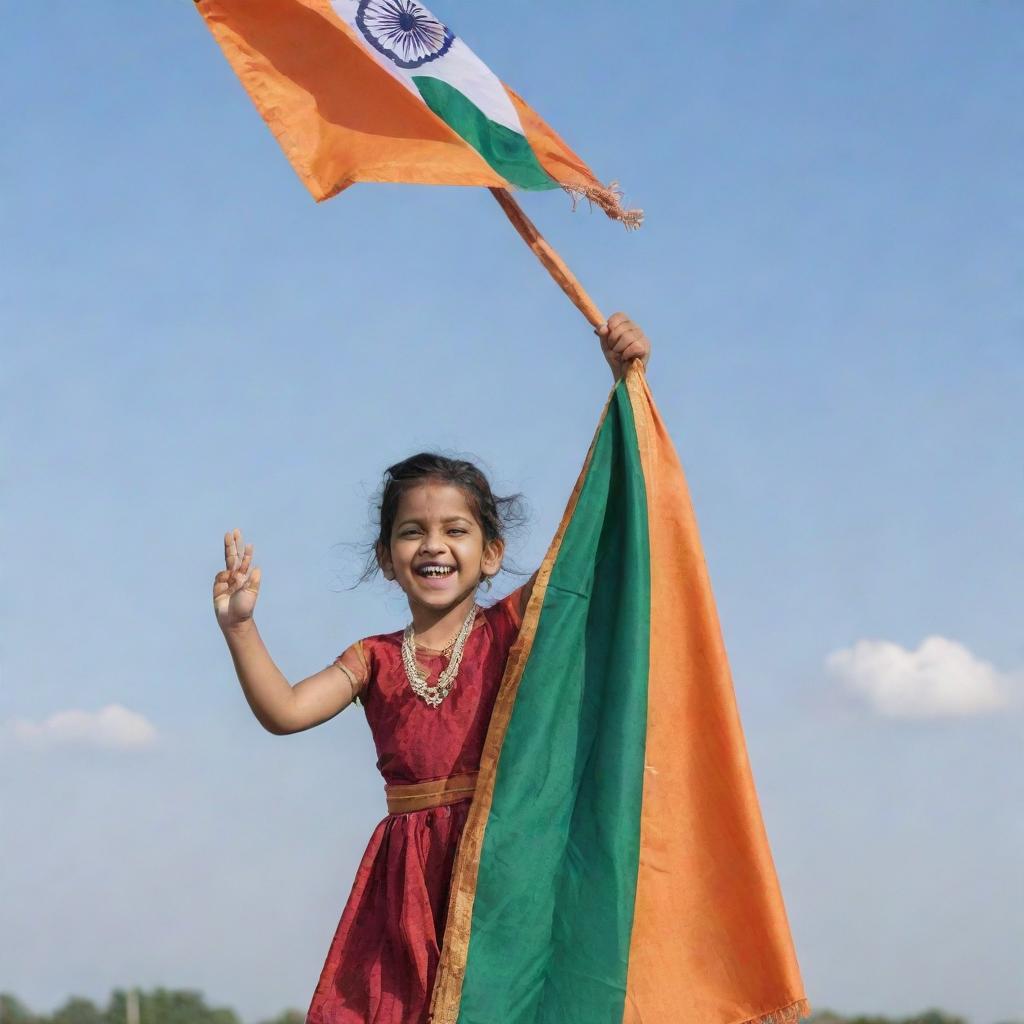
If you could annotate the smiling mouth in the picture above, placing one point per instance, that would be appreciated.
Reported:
(435, 572)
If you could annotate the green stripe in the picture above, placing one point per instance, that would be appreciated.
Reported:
(507, 151)
(556, 888)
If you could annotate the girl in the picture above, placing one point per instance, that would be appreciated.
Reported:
(427, 692)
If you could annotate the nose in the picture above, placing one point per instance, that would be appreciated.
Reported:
(432, 543)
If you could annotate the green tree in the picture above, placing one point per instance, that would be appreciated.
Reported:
(934, 1016)
(13, 1010)
(168, 1006)
(78, 1011)
(287, 1017)
(826, 1017)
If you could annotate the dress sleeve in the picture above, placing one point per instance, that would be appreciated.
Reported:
(352, 661)
(511, 607)
(515, 603)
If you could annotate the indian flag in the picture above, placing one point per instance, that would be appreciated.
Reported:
(614, 867)
(382, 90)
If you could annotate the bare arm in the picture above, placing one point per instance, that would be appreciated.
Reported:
(278, 706)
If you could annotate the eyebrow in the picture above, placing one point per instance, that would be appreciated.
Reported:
(447, 519)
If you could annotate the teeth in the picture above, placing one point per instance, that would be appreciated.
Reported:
(436, 570)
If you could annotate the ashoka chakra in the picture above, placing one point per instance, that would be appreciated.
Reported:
(403, 31)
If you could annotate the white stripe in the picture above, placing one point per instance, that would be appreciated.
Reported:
(460, 68)
(346, 10)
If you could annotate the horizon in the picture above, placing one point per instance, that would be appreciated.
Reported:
(831, 275)
(928, 1015)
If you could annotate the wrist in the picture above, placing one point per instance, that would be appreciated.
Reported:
(234, 630)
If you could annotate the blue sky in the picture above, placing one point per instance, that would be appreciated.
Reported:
(832, 276)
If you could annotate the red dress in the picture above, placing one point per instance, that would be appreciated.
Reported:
(381, 964)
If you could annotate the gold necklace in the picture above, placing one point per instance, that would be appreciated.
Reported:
(434, 695)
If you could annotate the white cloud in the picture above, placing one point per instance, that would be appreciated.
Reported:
(113, 727)
(940, 678)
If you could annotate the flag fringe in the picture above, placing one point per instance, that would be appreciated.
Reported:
(790, 1014)
(609, 198)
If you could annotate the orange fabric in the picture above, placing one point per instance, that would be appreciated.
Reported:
(568, 169)
(711, 943)
(353, 660)
(554, 155)
(435, 793)
(341, 118)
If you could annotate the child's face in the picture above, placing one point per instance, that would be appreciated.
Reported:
(438, 554)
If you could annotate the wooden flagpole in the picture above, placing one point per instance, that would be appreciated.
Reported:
(556, 266)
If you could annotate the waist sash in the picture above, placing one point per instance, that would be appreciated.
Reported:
(435, 793)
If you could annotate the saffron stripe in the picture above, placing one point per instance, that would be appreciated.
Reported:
(711, 942)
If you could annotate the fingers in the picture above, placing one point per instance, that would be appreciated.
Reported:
(626, 338)
(221, 591)
(622, 341)
(613, 333)
(634, 350)
(228, 582)
(238, 569)
(239, 578)
(232, 542)
(246, 565)
(253, 583)
(221, 585)
(629, 347)
(236, 556)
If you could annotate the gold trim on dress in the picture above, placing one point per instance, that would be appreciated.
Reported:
(416, 796)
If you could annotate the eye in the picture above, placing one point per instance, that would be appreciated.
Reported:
(457, 529)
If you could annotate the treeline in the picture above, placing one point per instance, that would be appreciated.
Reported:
(932, 1016)
(927, 1017)
(183, 1006)
(157, 1006)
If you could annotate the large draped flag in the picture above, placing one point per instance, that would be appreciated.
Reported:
(614, 866)
(381, 90)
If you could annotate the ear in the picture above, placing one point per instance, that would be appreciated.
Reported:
(384, 561)
(494, 552)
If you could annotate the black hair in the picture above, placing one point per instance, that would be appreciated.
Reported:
(496, 515)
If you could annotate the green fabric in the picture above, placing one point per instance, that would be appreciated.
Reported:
(557, 883)
(507, 151)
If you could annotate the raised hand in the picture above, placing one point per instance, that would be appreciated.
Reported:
(622, 341)
(237, 585)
